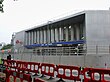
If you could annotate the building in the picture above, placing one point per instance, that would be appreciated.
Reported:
(79, 39)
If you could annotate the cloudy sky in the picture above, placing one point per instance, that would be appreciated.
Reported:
(23, 14)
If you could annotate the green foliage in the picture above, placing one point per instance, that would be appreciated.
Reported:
(8, 46)
(1, 6)
(1, 1)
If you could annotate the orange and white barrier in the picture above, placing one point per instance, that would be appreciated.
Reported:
(21, 65)
(18, 69)
(9, 63)
(33, 67)
(22, 76)
(47, 69)
(96, 75)
(6, 63)
(13, 63)
(68, 72)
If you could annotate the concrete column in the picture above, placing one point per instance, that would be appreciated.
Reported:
(41, 36)
(60, 33)
(52, 35)
(37, 36)
(82, 31)
(72, 33)
(67, 33)
(48, 36)
(56, 34)
(28, 38)
(44, 36)
(77, 32)
(31, 37)
(34, 37)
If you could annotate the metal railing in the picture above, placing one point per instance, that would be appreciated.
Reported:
(77, 50)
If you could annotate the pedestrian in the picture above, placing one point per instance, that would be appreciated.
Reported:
(9, 57)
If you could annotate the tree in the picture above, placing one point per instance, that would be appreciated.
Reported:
(8, 46)
(1, 6)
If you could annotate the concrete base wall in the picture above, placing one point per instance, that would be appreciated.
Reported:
(84, 61)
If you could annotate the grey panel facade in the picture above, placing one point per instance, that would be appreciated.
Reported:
(97, 29)
(20, 40)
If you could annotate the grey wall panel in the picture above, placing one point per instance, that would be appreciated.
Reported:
(97, 28)
(20, 36)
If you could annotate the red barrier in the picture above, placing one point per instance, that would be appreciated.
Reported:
(63, 71)
(33, 67)
(9, 63)
(3, 69)
(96, 75)
(20, 75)
(47, 69)
(27, 77)
(14, 74)
(6, 63)
(38, 80)
(21, 65)
(68, 72)
(87, 74)
(7, 76)
(13, 63)
(7, 72)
